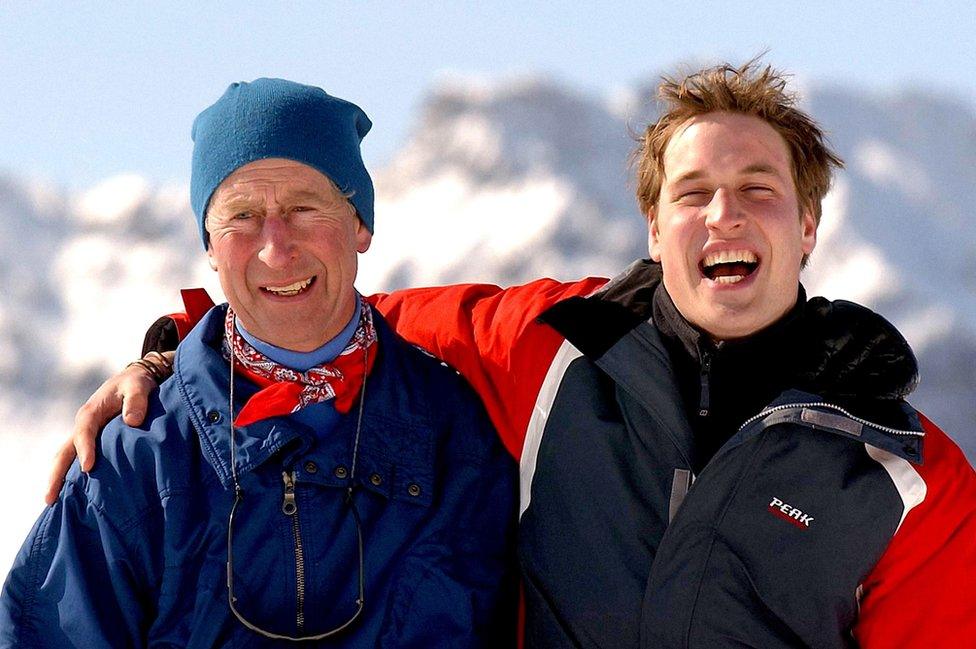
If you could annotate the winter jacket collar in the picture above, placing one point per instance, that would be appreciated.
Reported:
(840, 351)
(849, 350)
(696, 344)
(202, 379)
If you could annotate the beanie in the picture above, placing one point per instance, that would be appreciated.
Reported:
(275, 118)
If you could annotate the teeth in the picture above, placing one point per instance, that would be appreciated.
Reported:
(729, 256)
(291, 289)
(730, 279)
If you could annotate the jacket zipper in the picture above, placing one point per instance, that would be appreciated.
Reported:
(289, 507)
(822, 404)
(704, 397)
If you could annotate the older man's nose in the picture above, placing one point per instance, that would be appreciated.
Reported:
(278, 245)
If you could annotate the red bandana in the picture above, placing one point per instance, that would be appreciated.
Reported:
(284, 391)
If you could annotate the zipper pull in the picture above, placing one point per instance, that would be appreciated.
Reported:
(704, 397)
(288, 505)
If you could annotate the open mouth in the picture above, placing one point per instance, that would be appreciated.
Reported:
(290, 290)
(729, 266)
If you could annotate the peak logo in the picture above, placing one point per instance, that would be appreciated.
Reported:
(790, 514)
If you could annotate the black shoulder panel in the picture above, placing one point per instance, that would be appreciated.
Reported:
(592, 325)
(859, 353)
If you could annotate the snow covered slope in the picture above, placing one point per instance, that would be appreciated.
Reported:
(501, 181)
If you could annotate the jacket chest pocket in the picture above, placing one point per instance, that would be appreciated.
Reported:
(772, 542)
(392, 465)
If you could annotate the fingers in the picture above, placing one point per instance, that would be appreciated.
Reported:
(62, 461)
(88, 422)
(135, 399)
(127, 392)
(136, 385)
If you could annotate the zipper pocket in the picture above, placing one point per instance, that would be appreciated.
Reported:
(830, 406)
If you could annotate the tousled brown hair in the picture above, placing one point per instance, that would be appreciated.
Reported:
(749, 90)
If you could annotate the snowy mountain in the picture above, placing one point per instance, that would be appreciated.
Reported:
(506, 182)
(501, 181)
(900, 235)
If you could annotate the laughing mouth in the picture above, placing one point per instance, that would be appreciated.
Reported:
(729, 266)
(290, 290)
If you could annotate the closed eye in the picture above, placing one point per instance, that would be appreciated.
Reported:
(694, 197)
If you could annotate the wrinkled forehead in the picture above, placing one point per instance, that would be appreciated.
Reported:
(285, 180)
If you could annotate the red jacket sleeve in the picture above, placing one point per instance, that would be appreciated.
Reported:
(490, 335)
(922, 592)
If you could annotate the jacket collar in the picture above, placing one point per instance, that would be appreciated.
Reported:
(774, 340)
(839, 350)
(842, 350)
(202, 376)
(594, 324)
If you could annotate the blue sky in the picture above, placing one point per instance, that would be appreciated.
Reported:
(96, 89)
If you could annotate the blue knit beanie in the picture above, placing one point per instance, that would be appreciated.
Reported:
(275, 118)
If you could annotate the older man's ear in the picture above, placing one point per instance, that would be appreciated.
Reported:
(363, 238)
(210, 258)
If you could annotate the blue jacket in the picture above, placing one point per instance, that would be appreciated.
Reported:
(134, 553)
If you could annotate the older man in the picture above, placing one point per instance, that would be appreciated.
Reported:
(305, 474)
(708, 458)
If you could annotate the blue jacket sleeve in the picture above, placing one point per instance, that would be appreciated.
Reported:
(73, 583)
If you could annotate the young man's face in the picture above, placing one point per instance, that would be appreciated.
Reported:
(284, 242)
(728, 228)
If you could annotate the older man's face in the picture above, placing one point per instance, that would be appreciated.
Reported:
(284, 241)
(728, 229)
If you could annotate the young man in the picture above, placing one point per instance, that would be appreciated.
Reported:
(708, 458)
(305, 474)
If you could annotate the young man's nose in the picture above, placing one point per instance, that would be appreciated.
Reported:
(724, 211)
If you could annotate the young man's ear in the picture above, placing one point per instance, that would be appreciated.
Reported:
(653, 236)
(808, 232)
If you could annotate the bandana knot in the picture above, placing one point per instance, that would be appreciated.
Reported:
(284, 390)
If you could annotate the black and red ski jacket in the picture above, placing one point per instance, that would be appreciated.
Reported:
(811, 526)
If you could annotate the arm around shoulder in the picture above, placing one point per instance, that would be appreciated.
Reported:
(491, 335)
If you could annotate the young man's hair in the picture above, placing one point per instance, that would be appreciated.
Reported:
(748, 90)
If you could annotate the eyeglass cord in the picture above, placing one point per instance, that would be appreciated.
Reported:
(239, 495)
